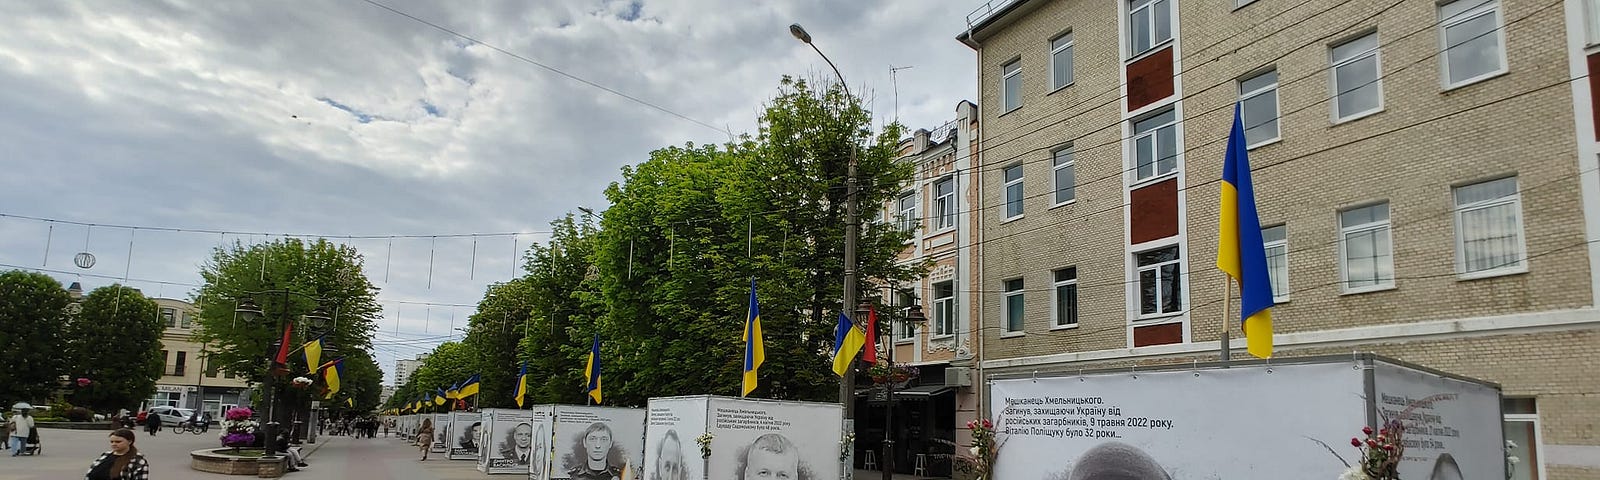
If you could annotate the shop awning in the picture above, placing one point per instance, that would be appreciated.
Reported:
(924, 392)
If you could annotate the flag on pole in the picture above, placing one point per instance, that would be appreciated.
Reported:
(755, 350)
(452, 393)
(522, 384)
(280, 362)
(847, 342)
(313, 351)
(438, 396)
(1240, 251)
(350, 402)
(468, 388)
(331, 373)
(870, 354)
(591, 371)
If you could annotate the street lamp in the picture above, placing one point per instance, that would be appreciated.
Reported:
(914, 316)
(852, 230)
(250, 312)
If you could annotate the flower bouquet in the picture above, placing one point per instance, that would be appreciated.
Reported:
(1380, 453)
(238, 429)
(301, 382)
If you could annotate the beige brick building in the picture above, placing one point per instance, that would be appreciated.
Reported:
(1426, 176)
(187, 381)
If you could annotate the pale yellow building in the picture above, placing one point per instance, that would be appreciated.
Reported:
(187, 381)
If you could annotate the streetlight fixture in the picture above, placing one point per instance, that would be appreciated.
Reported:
(250, 312)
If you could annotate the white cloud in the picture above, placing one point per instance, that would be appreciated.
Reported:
(342, 118)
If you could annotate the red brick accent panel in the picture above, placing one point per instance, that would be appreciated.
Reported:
(1158, 334)
(1150, 79)
(1153, 212)
(1594, 90)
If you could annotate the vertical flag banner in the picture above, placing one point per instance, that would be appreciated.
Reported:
(313, 350)
(522, 384)
(1240, 252)
(331, 373)
(591, 372)
(438, 396)
(280, 362)
(468, 388)
(870, 355)
(755, 350)
(847, 342)
(452, 393)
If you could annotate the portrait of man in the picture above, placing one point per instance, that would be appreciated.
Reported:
(1117, 461)
(669, 458)
(595, 455)
(518, 444)
(469, 437)
(771, 457)
(1446, 468)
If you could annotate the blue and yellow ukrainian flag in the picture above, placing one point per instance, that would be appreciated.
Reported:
(1240, 251)
(469, 387)
(438, 396)
(331, 372)
(522, 384)
(313, 351)
(451, 393)
(591, 371)
(755, 350)
(848, 338)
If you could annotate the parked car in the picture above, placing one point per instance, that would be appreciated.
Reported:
(170, 416)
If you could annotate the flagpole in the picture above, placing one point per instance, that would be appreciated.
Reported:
(1227, 320)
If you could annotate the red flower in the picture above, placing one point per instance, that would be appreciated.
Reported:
(1371, 443)
(1355, 442)
(1389, 447)
(1366, 430)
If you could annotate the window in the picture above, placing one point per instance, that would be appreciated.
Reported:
(169, 317)
(1474, 43)
(1155, 145)
(211, 370)
(187, 320)
(1276, 241)
(944, 203)
(1149, 24)
(1160, 288)
(164, 357)
(1258, 99)
(1011, 86)
(1591, 10)
(1357, 90)
(1065, 177)
(178, 369)
(1521, 424)
(1013, 187)
(944, 308)
(1365, 249)
(907, 330)
(1237, 4)
(1489, 228)
(907, 205)
(1013, 306)
(1061, 61)
(1065, 307)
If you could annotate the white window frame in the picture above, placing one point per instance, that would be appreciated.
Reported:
(1591, 22)
(1010, 69)
(1277, 106)
(1333, 76)
(1139, 288)
(1515, 201)
(944, 205)
(1055, 299)
(907, 333)
(906, 218)
(1134, 6)
(1538, 438)
(1238, 4)
(1055, 51)
(944, 311)
(1005, 193)
(1344, 235)
(1155, 147)
(1490, 7)
(1268, 245)
(1055, 174)
(1005, 307)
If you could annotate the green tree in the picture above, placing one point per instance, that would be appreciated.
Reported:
(33, 307)
(115, 342)
(566, 304)
(493, 333)
(446, 366)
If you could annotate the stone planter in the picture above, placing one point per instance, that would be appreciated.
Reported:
(215, 460)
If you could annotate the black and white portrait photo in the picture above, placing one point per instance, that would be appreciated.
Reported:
(771, 457)
(520, 444)
(595, 454)
(468, 439)
(669, 461)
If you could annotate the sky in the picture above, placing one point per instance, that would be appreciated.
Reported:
(203, 123)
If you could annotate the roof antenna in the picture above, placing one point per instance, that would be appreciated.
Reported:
(893, 81)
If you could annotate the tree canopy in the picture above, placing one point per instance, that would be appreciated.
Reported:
(33, 309)
(116, 344)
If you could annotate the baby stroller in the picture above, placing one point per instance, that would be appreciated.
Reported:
(32, 446)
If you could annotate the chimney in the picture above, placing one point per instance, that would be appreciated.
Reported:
(75, 291)
(919, 141)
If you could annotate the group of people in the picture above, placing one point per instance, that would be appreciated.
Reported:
(358, 427)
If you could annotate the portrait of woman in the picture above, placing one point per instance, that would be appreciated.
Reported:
(595, 455)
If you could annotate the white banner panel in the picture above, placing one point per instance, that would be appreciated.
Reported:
(1234, 424)
(671, 452)
(596, 442)
(758, 439)
(1450, 425)
(441, 432)
(465, 430)
(542, 421)
(509, 440)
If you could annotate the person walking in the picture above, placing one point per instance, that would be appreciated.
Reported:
(425, 437)
(123, 462)
(20, 425)
(152, 423)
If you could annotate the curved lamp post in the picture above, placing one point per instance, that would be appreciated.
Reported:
(248, 311)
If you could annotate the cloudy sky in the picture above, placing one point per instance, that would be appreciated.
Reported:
(342, 119)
